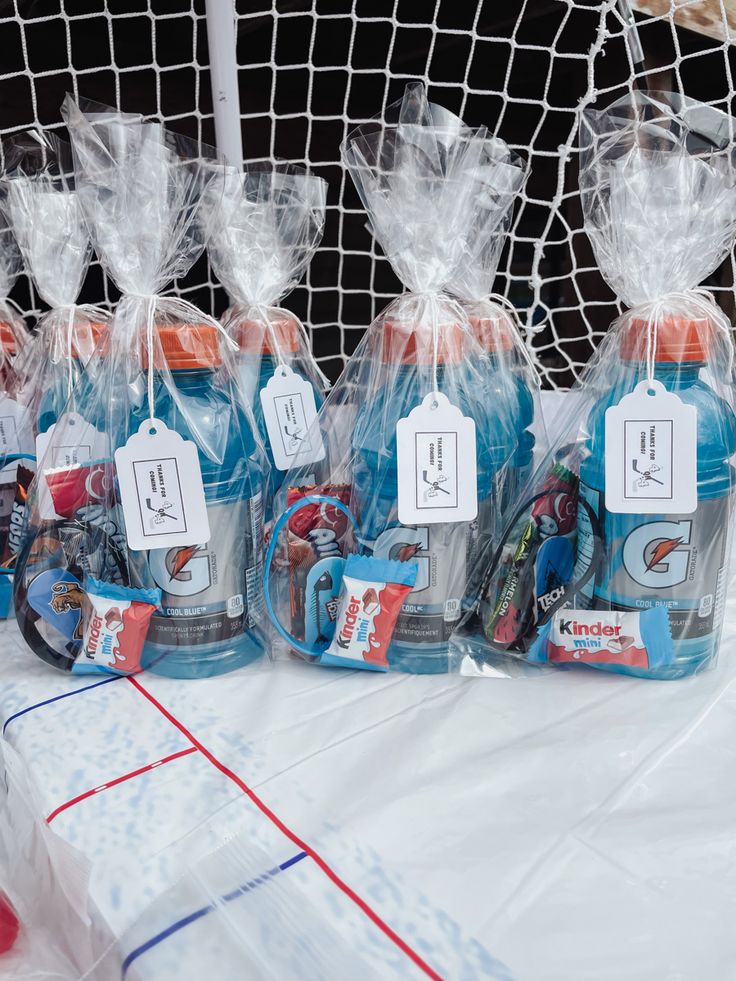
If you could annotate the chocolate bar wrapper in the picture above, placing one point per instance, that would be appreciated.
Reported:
(16, 480)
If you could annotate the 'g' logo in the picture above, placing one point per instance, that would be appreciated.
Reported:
(180, 571)
(654, 554)
(404, 544)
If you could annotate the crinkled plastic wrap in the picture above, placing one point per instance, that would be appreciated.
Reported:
(266, 226)
(420, 173)
(617, 557)
(41, 205)
(13, 332)
(86, 601)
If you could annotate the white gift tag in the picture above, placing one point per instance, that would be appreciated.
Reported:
(651, 453)
(161, 489)
(289, 411)
(435, 449)
(70, 440)
(15, 431)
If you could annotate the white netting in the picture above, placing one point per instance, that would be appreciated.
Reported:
(310, 71)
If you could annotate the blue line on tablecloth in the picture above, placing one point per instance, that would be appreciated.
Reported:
(198, 914)
(56, 698)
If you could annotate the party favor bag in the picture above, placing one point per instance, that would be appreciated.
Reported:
(618, 556)
(154, 560)
(40, 202)
(417, 432)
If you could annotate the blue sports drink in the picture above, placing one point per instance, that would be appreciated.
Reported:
(442, 551)
(676, 562)
(257, 362)
(212, 593)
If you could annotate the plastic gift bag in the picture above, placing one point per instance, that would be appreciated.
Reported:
(40, 203)
(418, 430)
(618, 558)
(155, 558)
(265, 229)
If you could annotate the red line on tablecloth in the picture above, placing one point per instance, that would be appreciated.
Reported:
(113, 783)
(275, 820)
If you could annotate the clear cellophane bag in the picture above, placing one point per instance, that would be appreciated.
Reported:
(617, 554)
(162, 365)
(422, 176)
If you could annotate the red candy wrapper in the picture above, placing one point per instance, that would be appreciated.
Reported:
(76, 487)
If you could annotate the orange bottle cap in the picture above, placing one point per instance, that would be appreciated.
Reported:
(186, 346)
(85, 338)
(254, 337)
(676, 339)
(493, 333)
(405, 342)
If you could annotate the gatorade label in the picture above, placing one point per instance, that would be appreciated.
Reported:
(673, 561)
(211, 592)
(432, 609)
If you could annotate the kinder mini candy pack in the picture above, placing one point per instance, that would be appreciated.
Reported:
(158, 503)
(266, 225)
(422, 424)
(618, 554)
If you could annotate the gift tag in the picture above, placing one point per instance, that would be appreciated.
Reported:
(161, 489)
(651, 453)
(435, 449)
(13, 427)
(289, 410)
(69, 441)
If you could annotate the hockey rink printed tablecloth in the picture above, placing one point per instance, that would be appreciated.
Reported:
(314, 823)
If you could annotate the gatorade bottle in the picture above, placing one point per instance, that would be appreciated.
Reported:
(442, 551)
(212, 593)
(257, 362)
(673, 561)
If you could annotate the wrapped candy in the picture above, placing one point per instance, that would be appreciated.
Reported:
(160, 520)
(420, 427)
(41, 204)
(619, 551)
(266, 225)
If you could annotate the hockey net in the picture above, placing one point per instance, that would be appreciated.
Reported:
(310, 70)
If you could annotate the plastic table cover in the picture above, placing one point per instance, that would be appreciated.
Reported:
(304, 823)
